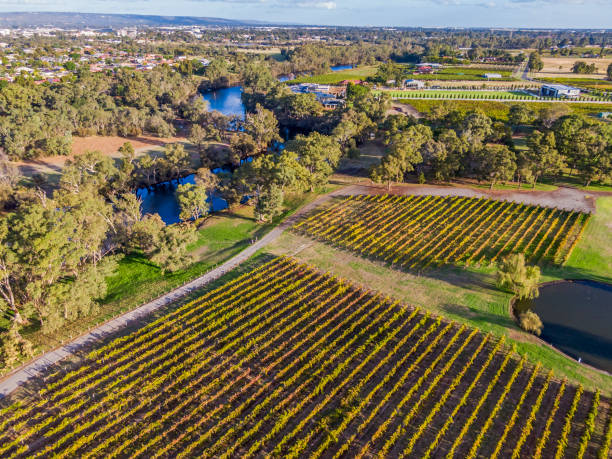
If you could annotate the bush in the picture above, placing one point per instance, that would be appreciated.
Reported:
(530, 322)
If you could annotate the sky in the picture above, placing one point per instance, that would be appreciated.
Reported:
(408, 13)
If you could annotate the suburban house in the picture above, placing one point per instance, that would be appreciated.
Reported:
(427, 67)
(414, 84)
(559, 90)
(324, 93)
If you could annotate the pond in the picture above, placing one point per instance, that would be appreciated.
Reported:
(338, 68)
(577, 318)
(227, 101)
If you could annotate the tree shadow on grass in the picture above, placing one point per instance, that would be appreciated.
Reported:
(476, 316)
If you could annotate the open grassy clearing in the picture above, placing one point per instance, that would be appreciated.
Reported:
(465, 73)
(289, 361)
(357, 73)
(421, 232)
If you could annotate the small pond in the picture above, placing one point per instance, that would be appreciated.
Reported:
(338, 68)
(577, 318)
(227, 101)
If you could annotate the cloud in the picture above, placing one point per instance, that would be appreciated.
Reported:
(508, 2)
(316, 4)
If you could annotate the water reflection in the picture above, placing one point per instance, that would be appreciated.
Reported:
(577, 318)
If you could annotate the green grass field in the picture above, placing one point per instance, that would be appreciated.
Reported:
(357, 73)
(465, 74)
(469, 295)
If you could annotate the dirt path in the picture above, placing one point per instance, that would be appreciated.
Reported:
(563, 198)
(404, 109)
(41, 364)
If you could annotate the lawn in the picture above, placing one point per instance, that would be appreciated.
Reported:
(357, 73)
(469, 295)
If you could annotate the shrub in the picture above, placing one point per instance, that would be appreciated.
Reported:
(530, 322)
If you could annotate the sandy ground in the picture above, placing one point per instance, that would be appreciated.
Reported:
(404, 109)
(563, 198)
(563, 65)
(108, 145)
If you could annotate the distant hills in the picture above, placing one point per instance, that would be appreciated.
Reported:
(98, 21)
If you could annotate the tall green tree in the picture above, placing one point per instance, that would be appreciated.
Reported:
(171, 252)
(518, 278)
(192, 201)
(519, 115)
(262, 126)
(269, 203)
(318, 154)
(542, 156)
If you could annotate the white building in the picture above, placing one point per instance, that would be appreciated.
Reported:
(559, 90)
(414, 84)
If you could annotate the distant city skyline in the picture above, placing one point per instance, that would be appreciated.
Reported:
(407, 13)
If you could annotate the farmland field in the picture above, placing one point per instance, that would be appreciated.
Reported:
(465, 73)
(357, 73)
(450, 94)
(419, 232)
(287, 360)
(563, 65)
(500, 110)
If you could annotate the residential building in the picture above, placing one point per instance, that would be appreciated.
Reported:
(559, 90)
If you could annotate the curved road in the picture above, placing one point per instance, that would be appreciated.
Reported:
(39, 365)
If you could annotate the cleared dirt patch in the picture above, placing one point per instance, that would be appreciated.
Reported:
(563, 65)
(562, 198)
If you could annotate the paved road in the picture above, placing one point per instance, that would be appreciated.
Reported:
(41, 364)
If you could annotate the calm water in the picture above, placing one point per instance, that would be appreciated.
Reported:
(226, 101)
(337, 68)
(577, 318)
(162, 200)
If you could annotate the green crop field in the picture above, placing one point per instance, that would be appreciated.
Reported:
(500, 110)
(288, 361)
(417, 232)
(458, 94)
(465, 74)
(358, 73)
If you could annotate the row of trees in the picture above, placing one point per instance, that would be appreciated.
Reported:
(453, 144)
